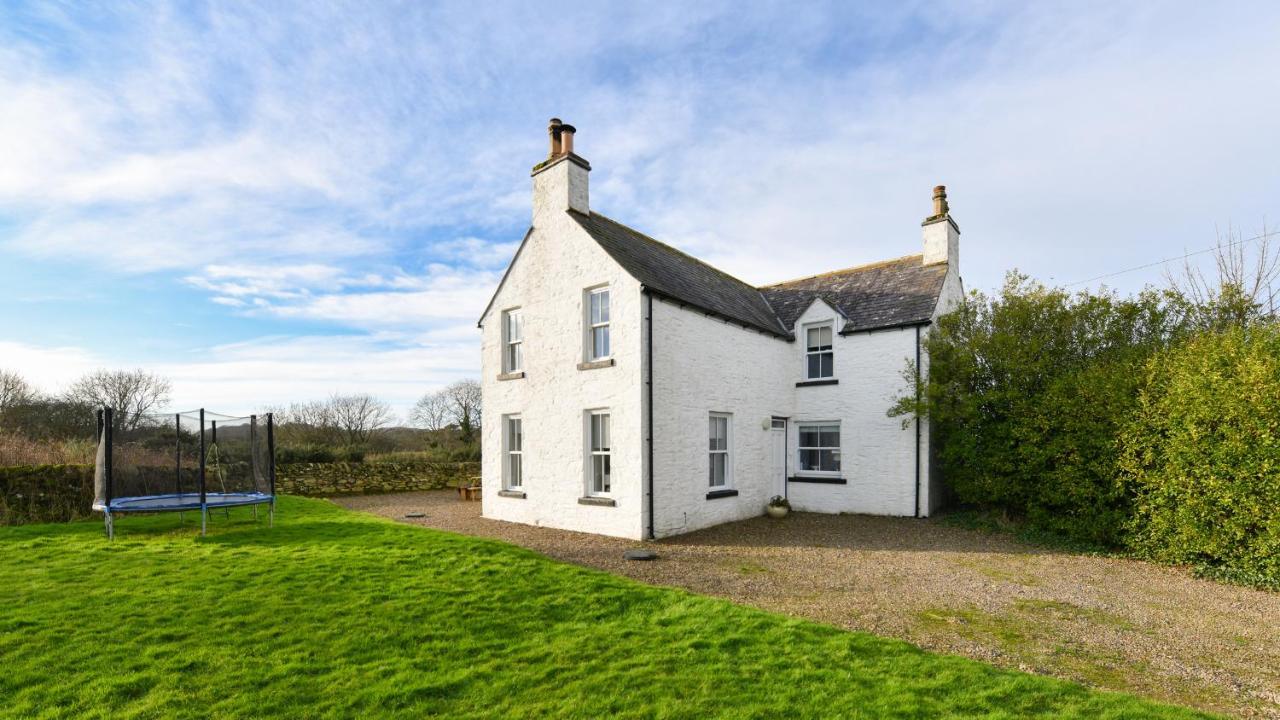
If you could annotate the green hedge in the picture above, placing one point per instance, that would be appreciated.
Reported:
(326, 479)
(1027, 394)
(1202, 454)
(59, 493)
(45, 493)
(1125, 423)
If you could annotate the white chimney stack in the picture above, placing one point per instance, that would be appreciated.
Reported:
(941, 233)
(560, 181)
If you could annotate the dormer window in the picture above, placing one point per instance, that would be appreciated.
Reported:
(819, 356)
(598, 324)
(512, 341)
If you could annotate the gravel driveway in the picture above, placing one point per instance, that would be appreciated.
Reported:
(1110, 623)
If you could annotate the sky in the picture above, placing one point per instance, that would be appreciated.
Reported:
(273, 202)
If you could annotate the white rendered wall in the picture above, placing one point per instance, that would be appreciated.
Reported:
(704, 365)
(878, 455)
(547, 280)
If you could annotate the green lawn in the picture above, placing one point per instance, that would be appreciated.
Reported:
(336, 614)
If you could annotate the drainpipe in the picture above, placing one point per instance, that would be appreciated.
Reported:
(649, 389)
(917, 508)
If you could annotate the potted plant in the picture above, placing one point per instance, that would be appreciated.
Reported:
(778, 507)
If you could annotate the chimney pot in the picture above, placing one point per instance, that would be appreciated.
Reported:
(553, 129)
(566, 139)
(940, 201)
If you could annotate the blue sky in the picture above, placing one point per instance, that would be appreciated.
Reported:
(273, 203)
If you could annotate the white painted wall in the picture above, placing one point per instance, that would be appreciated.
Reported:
(704, 365)
(878, 454)
(556, 264)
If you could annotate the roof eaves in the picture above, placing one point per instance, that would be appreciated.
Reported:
(715, 313)
(846, 330)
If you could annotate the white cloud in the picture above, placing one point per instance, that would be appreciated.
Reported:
(302, 164)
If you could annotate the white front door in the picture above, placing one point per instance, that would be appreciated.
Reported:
(778, 436)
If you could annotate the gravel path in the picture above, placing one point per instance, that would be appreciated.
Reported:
(1110, 623)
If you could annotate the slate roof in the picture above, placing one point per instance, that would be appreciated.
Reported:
(884, 294)
(880, 295)
(666, 271)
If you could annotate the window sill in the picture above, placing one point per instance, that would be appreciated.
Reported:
(596, 364)
(600, 501)
(726, 492)
(512, 494)
(518, 375)
(812, 383)
(818, 479)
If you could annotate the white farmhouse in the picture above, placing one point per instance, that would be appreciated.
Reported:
(635, 391)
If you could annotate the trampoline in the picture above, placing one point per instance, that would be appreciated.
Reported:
(186, 461)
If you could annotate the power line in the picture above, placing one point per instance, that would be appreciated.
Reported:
(1172, 259)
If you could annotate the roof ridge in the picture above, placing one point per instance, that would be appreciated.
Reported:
(672, 248)
(864, 266)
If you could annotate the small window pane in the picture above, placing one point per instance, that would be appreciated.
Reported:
(601, 479)
(808, 459)
(829, 460)
(779, 424)
(515, 479)
(809, 436)
(600, 342)
(599, 307)
(829, 436)
(717, 469)
(815, 366)
(826, 368)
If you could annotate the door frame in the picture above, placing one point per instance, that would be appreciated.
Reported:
(786, 447)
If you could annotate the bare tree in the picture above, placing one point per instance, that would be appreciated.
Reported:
(131, 393)
(432, 411)
(1245, 288)
(358, 416)
(14, 390)
(464, 406)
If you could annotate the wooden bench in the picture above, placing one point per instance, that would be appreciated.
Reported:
(470, 490)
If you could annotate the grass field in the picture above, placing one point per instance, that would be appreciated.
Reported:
(338, 614)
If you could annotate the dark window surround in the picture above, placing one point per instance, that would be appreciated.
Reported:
(601, 501)
(727, 492)
(816, 479)
(810, 383)
(511, 494)
(518, 375)
(596, 364)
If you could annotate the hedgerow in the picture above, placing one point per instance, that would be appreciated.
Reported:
(1202, 453)
(1117, 422)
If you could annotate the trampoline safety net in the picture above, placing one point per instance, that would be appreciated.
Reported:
(173, 461)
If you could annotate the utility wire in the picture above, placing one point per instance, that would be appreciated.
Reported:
(1172, 259)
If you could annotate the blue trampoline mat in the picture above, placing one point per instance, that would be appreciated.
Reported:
(182, 501)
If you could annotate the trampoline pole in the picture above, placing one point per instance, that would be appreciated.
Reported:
(204, 509)
(106, 521)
